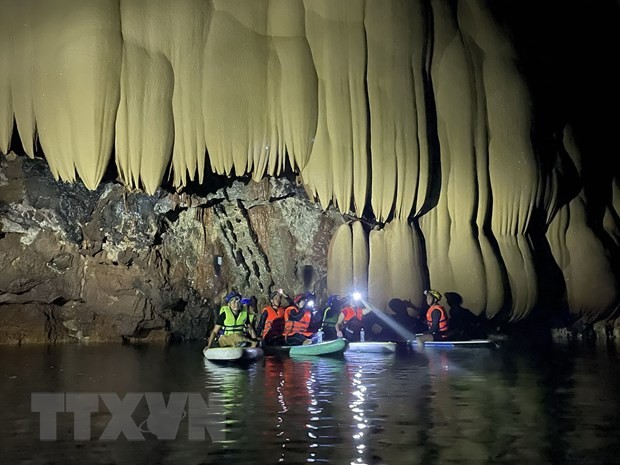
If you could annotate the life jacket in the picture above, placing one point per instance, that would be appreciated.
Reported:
(234, 324)
(297, 327)
(443, 319)
(329, 321)
(274, 324)
(350, 313)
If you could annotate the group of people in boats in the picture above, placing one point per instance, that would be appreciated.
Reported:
(294, 321)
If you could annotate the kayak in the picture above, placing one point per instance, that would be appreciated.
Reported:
(232, 354)
(454, 344)
(335, 347)
(373, 347)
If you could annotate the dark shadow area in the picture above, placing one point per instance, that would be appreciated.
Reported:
(464, 324)
(407, 315)
(567, 54)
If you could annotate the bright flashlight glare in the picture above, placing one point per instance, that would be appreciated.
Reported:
(356, 296)
(311, 303)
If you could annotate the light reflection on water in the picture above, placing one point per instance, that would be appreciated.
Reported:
(553, 405)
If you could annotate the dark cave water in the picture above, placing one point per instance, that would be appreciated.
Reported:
(542, 404)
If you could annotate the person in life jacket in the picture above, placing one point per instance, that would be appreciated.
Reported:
(436, 319)
(331, 312)
(271, 322)
(349, 324)
(234, 323)
(297, 319)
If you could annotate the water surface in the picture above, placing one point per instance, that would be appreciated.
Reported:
(551, 404)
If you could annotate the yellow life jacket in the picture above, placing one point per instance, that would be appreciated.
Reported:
(234, 324)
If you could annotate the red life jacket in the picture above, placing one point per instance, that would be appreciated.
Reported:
(274, 324)
(297, 327)
(443, 319)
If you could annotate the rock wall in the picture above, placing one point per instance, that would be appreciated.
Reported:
(110, 264)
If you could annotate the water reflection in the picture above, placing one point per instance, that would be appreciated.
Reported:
(550, 405)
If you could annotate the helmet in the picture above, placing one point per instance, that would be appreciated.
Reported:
(299, 297)
(434, 293)
(246, 301)
(231, 295)
(333, 300)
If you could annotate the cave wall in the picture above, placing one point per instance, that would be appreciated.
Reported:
(468, 137)
(109, 264)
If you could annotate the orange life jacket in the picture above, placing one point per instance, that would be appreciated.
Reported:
(352, 322)
(349, 313)
(274, 324)
(297, 327)
(443, 319)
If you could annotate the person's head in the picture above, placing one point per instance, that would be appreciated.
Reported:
(333, 301)
(249, 302)
(275, 298)
(300, 300)
(233, 300)
(356, 300)
(398, 306)
(310, 300)
(432, 296)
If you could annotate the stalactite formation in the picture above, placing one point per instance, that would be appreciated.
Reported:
(415, 116)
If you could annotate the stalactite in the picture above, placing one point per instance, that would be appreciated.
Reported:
(396, 98)
(6, 105)
(360, 257)
(144, 123)
(513, 168)
(189, 23)
(78, 51)
(22, 67)
(335, 33)
(591, 285)
(410, 113)
(378, 262)
(340, 261)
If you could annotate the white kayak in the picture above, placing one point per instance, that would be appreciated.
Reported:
(454, 344)
(232, 354)
(373, 347)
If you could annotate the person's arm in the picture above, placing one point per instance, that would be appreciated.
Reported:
(436, 316)
(339, 324)
(316, 321)
(261, 323)
(219, 322)
(295, 314)
(250, 329)
(216, 329)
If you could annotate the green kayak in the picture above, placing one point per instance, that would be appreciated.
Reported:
(336, 347)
